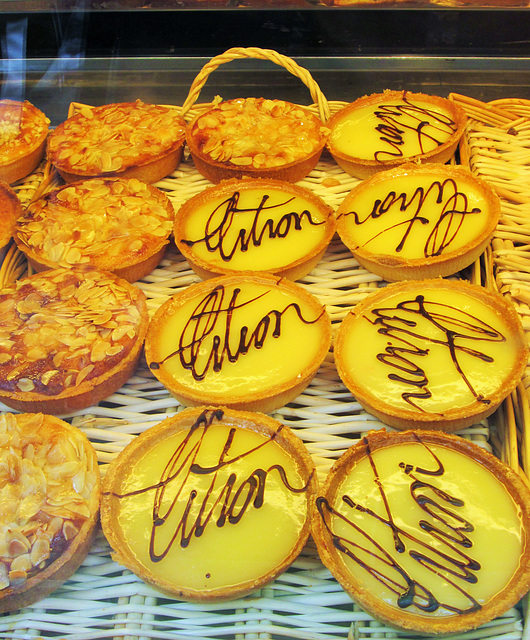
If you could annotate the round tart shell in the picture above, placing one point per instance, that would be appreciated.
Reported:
(363, 167)
(452, 419)
(89, 391)
(392, 616)
(293, 270)
(149, 167)
(121, 467)
(393, 267)
(22, 166)
(52, 577)
(127, 267)
(264, 400)
(215, 171)
(11, 209)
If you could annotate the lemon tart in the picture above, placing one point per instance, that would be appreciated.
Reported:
(427, 531)
(23, 133)
(68, 338)
(255, 137)
(436, 354)
(126, 139)
(112, 224)
(50, 505)
(383, 130)
(210, 504)
(250, 342)
(418, 221)
(256, 225)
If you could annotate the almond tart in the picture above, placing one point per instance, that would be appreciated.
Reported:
(249, 342)
(426, 531)
(431, 354)
(255, 137)
(210, 504)
(68, 338)
(127, 139)
(23, 133)
(11, 209)
(418, 221)
(384, 130)
(112, 224)
(257, 225)
(50, 505)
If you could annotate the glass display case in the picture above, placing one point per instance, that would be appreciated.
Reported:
(65, 54)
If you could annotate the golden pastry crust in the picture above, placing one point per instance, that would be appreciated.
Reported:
(387, 611)
(438, 123)
(256, 137)
(23, 133)
(50, 505)
(11, 209)
(201, 342)
(111, 224)
(427, 223)
(257, 232)
(128, 139)
(69, 338)
(431, 354)
(196, 425)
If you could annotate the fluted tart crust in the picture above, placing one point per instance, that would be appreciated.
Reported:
(210, 504)
(426, 531)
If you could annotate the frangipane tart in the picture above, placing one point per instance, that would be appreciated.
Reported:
(50, 505)
(11, 209)
(256, 137)
(127, 139)
(438, 354)
(68, 338)
(210, 504)
(256, 225)
(23, 133)
(250, 342)
(418, 221)
(384, 130)
(112, 224)
(427, 531)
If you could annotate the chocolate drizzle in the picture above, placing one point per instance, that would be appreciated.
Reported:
(228, 214)
(207, 341)
(451, 215)
(446, 557)
(408, 345)
(226, 499)
(396, 119)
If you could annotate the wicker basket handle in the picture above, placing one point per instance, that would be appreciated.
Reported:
(261, 54)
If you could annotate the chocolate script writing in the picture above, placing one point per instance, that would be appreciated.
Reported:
(408, 345)
(445, 551)
(207, 340)
(453, 209)
(219, 230)
(428, 125)
(224, 499)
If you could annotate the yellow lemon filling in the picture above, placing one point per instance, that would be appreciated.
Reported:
(412, 216)
(430, 350)
(212, 506)
(254, 230)
(426, 529)
(238, 337)
(395, 128)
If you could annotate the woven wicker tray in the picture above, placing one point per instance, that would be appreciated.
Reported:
(102, 600)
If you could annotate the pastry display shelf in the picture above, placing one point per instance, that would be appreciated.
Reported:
(102, 599)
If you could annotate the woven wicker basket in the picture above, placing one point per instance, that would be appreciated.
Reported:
(102, 600)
